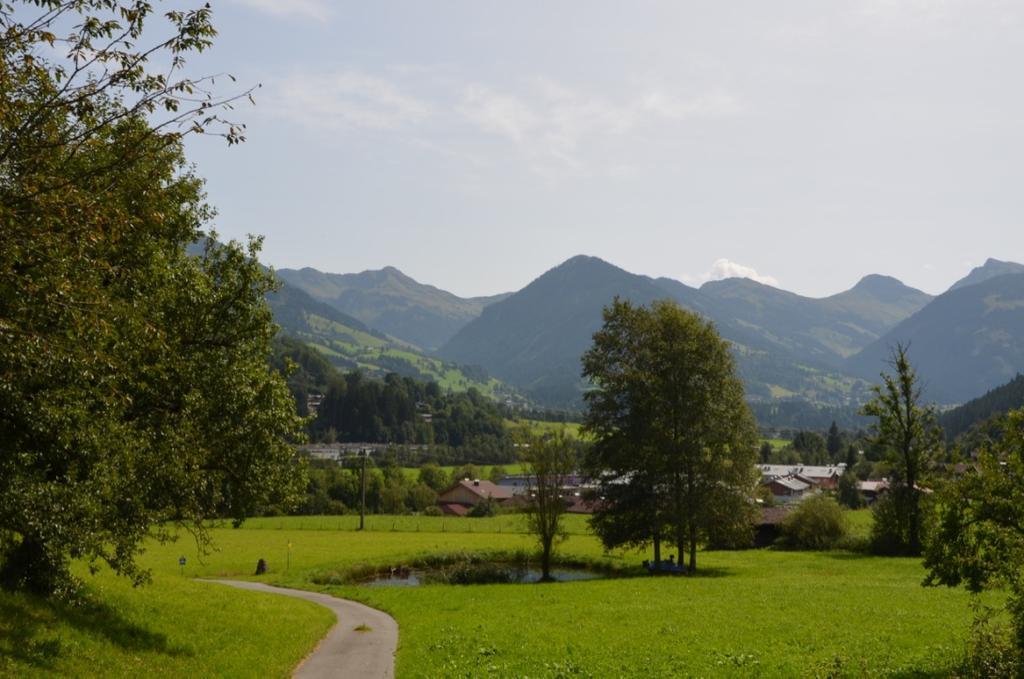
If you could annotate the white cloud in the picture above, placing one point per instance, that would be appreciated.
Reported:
(346, 99)
(725, 268)
(552, 123)
(556, 131)
(318, 10)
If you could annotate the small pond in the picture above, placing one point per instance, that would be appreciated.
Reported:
(488, 574)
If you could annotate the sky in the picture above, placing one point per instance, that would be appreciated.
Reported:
(475, 144)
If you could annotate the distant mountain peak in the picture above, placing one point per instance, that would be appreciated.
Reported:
(584, 260)
(877, 280)
(990, 269)
(733, 282)
(884, 288)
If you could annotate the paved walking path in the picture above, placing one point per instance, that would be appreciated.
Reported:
(344, 652)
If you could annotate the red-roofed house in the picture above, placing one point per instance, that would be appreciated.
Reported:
(468, 493)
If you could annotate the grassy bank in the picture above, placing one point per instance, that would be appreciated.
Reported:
(173, 627)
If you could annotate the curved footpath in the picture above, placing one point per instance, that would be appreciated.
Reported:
(344, 652)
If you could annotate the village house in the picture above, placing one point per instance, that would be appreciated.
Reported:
(824, 477)
(791, 482)
(871, 490)
(788, 489)
(467, 493)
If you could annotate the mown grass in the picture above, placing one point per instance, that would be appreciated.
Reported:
(413, 473)
(758, 613)
(174, 627)
(751, 613)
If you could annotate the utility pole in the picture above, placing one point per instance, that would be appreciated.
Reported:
(364, 453)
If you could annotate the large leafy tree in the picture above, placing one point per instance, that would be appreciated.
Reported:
(907, 431)
(674, 441)
(135, 392)
(979, 538)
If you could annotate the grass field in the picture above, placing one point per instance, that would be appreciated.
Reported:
(752, 613)
(541, 427)
(172, 628)
(485, 470)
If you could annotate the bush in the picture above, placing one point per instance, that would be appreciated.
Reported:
(433, 510)
(486, 507)
(817, 523)
(990, 649)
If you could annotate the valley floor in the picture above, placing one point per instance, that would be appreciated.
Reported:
(755, 613)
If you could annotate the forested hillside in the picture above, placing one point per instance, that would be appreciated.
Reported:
(350, 344)
(996, 402)
(359, 408)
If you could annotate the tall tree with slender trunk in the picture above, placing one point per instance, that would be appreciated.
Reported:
(907, 430)
(549, 462)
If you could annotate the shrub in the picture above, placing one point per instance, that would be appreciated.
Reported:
(433, 510)
(990, 650)
(817, 523)
(486, 507)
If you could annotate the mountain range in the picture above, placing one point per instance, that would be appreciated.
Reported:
(392, 302)
(823, 350)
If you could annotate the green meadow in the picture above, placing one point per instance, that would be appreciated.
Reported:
(413, 473)
(542, 427)
(751, 613)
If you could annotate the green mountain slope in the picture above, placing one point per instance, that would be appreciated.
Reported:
(350, 344)
(534, 339)
(963, 343)
(392, 302)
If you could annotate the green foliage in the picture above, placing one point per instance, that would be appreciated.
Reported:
(549, 461)
(976, 412)
(990, 652)
(485, 508)
(135, 387)
(890, 526)
(466, 471)
(404, 411)
(979, 537)
(674, 444)
(847, 492)
(908, 432)
(817, 523)
(433, 476)
(834, 443)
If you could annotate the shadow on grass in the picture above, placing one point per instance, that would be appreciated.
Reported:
(848, 556)
(27, 622)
